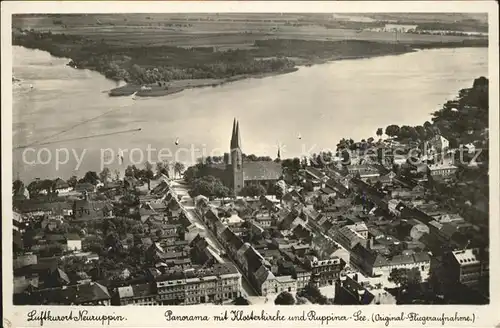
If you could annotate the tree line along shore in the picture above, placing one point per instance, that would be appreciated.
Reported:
(157, 70)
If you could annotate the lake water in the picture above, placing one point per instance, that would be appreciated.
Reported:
(322, 104)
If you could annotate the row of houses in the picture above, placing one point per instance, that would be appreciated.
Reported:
(250, 261)
(217, 284)
(443, 234)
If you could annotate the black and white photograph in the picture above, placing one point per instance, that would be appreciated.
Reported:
(250, 158)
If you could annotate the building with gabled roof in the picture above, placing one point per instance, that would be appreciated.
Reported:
(268, 283)
(374, 263)
(291, 220)
(302, 232)
(316, 173)
(91, 293)
(348, 238)
(201, 251)
(194, 230)
(370, 262)
(35, 208)
(88, 209)
(337, 187)
(291, 199)
(231, 241)
(139, 294)
(348, 291)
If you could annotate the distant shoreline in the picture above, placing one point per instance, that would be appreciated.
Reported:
(166, 88)
(176, 86)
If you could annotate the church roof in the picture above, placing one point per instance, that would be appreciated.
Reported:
(262, 170)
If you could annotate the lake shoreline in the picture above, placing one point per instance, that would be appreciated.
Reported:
(170, 76)
(177, 86)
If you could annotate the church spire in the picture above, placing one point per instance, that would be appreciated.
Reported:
(235, 137)
(233, 132)
(238, 139)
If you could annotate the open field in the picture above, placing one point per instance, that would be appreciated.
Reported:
(224, 30)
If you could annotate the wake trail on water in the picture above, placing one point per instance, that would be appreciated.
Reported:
(84, 137)
(44, 140)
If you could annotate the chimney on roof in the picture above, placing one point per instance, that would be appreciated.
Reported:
(370, 245)
(355, 277)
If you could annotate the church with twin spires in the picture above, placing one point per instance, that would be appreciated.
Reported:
(237, 173)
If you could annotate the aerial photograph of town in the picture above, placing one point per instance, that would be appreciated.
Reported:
(250, 159)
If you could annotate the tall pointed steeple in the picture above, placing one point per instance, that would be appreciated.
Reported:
(233, 135)
(236, 158)
(237, 135)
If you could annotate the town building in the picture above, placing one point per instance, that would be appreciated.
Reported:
(316, 177)
(73, 242)
(374, 263)
(467, 266)
(218, 283)
(336, 187)
(61, 186)
(349, 238)
(140, 294)
(89, 209)
(32, 208)
(85, 187)
(91, 293)
(267, 283)
(364, 171)
(265, 220)
(194, 230)
(324, 272)
(349, 290)
(442, 170)
(438, 144)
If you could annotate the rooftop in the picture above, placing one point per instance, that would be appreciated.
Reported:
(435, 167)
(78, 294)
(315, 172)
(215, 270)
(263, 170)
(135, 291)
(467, 256)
